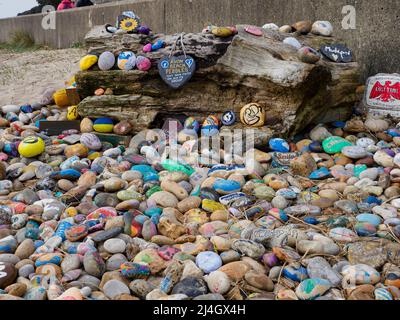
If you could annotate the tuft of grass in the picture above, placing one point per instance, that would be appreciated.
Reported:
(20, 41)
(76, 45)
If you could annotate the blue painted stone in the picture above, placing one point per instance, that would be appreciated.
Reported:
(311, 220)
(297, 274)
(72, 247)
(53, 260)
(394, 132)
(322, 173)
(38, 243)
(150, 176)
(339, 124)
(373, 219)
(141, 218)
(69, 174)
(226, 186)
(288, 194)
(209, 131)
(316, 147)
(373, 200)
(62, 227)
(208, 261)
(228, 118)
(279, 145)
(365, 229)
(143, 168)
(8, 245)
(155, 218)
(192, 124)
(228, 199)
(217, 168)
(26, 109)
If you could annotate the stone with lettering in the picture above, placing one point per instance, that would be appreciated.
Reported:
(337, 53)
(382, 94)
(177, 70)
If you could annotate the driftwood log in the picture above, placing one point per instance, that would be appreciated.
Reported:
(231, 72)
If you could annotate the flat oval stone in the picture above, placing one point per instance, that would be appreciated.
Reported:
(208, 261)
(354, 152)
(115, 245)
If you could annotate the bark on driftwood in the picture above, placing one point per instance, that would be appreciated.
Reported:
(232, 72)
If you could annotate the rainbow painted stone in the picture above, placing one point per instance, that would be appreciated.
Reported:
(134, 270)
(103, 125)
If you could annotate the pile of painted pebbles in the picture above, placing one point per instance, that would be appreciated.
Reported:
(82, 219)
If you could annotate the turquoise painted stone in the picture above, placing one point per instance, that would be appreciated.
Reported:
(373, 219)
(226, 186)
(153, 211)
(320, 174)
(143, 168)
(334, 145)
(359, 169)
(310, 289)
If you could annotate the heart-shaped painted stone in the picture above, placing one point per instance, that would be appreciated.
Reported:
(337, 53)
(176, 70)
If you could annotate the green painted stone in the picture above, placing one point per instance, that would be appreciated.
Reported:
(129, 195)
(153, 190)
(171, 165)
(334, 145)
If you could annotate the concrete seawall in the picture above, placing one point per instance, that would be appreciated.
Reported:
(374, 40)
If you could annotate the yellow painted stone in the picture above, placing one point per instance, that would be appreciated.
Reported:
(87, 62)
(72, 113)
(222, 32)
(211, 206)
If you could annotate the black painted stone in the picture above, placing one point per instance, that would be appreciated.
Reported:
(337, 53)
(190, 286)
(176, 70)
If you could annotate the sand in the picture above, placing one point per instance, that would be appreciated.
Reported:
(24, 76)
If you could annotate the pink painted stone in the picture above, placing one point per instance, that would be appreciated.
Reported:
(147, 48)
(167, 253)
(255, 31)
